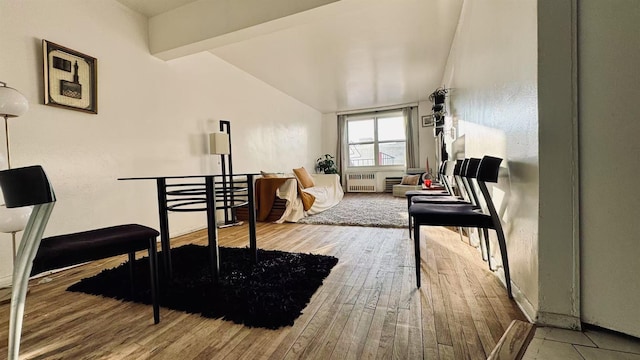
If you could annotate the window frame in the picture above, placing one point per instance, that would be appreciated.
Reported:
(375, 116)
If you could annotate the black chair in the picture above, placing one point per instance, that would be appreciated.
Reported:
(439, 196)
(442, 179)
(465, 216)
(26, 186)
(468, 169)
(29, 186)
(466, 174)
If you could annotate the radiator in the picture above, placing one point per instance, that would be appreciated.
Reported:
(390, 181)
(361, 182)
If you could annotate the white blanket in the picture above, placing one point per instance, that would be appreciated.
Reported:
(327, 191)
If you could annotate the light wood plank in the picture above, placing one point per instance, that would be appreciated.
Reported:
(514, 342)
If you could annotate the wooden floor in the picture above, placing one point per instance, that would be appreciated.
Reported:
(368, 307)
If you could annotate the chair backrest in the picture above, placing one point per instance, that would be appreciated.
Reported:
(488, 172)
(457, 167)
(488, 169)
(445, 173)
(470, 172)
(26, 186)
(458, 172)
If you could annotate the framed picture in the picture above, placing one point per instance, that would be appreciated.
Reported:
(427, 120)
(70, 78)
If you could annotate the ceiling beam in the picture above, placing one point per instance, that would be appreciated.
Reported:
(206, 24)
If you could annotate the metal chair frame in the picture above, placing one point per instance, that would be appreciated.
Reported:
(450, 215)
(27, 186)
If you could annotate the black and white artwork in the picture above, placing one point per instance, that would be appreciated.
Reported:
(70, 78)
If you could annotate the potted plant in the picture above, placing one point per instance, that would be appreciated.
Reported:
(438, 95)
(325, 164)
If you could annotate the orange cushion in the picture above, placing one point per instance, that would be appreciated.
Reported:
(305, 179)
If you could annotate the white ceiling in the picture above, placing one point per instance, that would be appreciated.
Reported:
(385, 52)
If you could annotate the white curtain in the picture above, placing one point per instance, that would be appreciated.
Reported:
(411, 129)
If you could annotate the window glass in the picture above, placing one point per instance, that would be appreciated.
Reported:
(391, 128)
(360, 131)
(361, 155)
(376, 140)
(391, 153)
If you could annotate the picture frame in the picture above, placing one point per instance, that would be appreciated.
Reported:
(427, 120)
(70, 78)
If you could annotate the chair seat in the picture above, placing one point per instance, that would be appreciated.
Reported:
(438, 200)
(426, 192)
(449, 215)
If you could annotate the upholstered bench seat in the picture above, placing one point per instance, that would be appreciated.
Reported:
(71, 249)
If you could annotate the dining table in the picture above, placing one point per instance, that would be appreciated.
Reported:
(200, 192)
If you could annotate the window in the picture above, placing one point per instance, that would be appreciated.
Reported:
(376, 139)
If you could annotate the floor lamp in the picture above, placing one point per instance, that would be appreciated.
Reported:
(220, 144)
(12, 104)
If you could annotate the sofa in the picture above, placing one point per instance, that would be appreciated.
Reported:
(408, 183)
(288, 198)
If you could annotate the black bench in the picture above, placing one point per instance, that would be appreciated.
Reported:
(71, 249)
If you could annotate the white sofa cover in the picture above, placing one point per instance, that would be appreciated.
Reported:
(327, 191)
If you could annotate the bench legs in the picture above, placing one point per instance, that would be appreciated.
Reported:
(153, 277)
(153, 269)
(132, 259)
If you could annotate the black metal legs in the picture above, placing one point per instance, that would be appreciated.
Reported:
(212, 230)
(502, 243)
(153, 270)
(132, 259)
(485, 231)
(253, 246)
(164, 226)
(416, 243)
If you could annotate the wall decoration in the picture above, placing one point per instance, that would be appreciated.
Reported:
(427, 120)
(70, 78)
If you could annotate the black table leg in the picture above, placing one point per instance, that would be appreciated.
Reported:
(212, 227)
(164, 226)
(252, 219)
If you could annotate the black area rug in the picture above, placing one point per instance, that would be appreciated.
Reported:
(270, 294)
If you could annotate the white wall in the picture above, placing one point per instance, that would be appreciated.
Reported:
(426, 138)
(609, 54)
(153, 117)
(493, 101)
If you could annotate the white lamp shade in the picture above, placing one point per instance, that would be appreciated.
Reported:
(219, 143)
(14, 219)
(12, 102)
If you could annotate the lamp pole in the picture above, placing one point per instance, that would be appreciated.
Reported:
(12, 104)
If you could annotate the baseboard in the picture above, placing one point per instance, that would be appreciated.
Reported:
(6, 280)
(540, 318)
(524, 304)
(558, 320)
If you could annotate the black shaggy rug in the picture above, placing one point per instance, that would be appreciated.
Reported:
(270, 294)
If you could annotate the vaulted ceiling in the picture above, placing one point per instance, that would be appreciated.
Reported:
(333, 55)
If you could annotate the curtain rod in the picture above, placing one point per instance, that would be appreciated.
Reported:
(391, 107)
